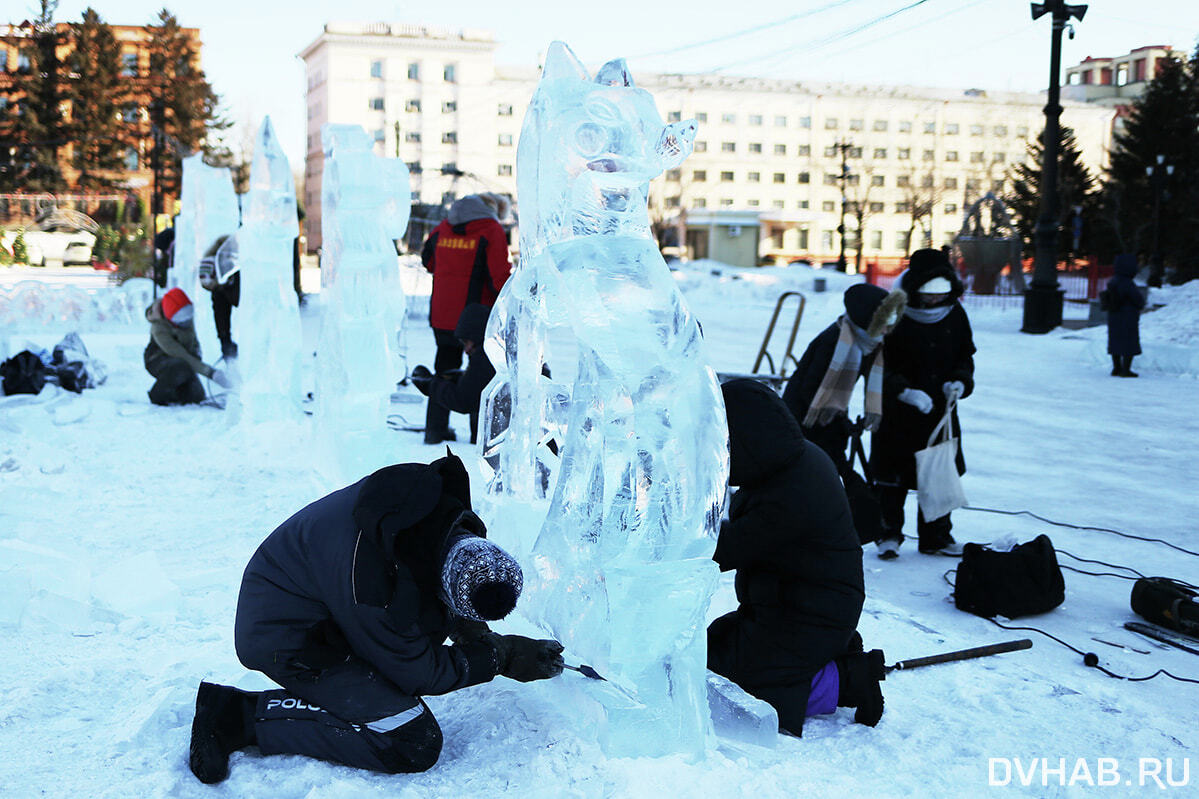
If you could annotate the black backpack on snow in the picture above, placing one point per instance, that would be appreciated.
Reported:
(23, 373)
(1022, 582)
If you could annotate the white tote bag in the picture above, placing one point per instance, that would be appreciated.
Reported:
(938, 485)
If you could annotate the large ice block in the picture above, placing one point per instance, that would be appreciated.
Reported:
(270, 339)
(621, 570)
(365, 202)
(740, 717)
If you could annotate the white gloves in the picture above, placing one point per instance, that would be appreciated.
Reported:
(221, 379)
(917, 399)
(871, 421)
(953, 390)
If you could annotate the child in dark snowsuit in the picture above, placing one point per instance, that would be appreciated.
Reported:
(1124, 316)
(792, 640)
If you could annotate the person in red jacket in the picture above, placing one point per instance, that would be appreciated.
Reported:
(468, 256)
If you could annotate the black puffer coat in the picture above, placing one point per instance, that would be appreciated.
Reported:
(791, 538)
(925, 357)
(1124, 317)
(355, 574)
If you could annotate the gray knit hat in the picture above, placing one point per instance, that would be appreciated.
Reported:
(479, 581)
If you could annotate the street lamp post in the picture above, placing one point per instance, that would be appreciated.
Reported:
(844, 147)
(1158, 174)
(1043, 299)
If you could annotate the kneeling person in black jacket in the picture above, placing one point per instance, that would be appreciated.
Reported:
(792, 642)
(347, 606)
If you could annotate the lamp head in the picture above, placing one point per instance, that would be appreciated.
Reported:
(1039, 10)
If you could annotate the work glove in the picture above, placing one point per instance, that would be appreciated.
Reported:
(524, 659)
(953, 390)
(466, 631)
(917, 399)
(826, 416)
(422, 378)
(871, 421)
(221, 379)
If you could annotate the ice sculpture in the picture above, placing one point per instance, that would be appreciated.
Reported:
(208, 209)
(621, 569)
(269, 329)
(365, 202)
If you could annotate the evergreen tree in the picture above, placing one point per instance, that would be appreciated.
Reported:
(1164, 121)
(35, 129)
(1075, 187)
(97, 95)
(183, 107)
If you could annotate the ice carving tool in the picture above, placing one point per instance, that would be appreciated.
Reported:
(962, 654)
(585, 670)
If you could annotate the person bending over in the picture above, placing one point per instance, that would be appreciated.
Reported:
(173, 355)
(458, 391)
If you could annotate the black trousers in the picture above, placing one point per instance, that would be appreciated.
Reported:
(349, 714)
(177, 384)
(449, 351)
(224, 299)
(932, 534)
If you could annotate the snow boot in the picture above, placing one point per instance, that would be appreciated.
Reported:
(224, 723)
(860, 674)
(888, 548)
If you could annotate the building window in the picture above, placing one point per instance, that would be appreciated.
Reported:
(855, 152)
(755, 119)
(905, 126)
(701, 116)
(504, 170)
(880, 152)
(951, 129)
(951, 183)
(449, 137)
(412, 106)
(3, 59)
(449, 74)
(1000, 130)
(755, 147)
(726, 177)
(414, 70)
(728, 119)
(950, 155)
(857, 124)
(674, 174)
(828, 206)
(780, 122)
(505, 140)
(830, 124)
(830, 178)
(903, 181)
(504, 109)
(412, 136)
(876, 208)
(878, 180)
(903, 207)
(753, 177)
(997, 185)
(929, 155)
(977, 157)
(413, 167)
(700, 147)
(903, 153)
(674, 116)
(951, 208)
(998, 158)
(376, 103)
(728, 147)
(830, 151)
(376, 69)
(802, 205)
(780, 177)
(726, 202)
(752, 203)
(128, 64)
(826, 240)
(780, 149)
(930, 127)
(973, 184)
(927, 181)
(450, 168)
(130, 113)
(699, 202)
(801, 150)
(805, 177)
(131, 159)
(699, 175)
(880, 125)
(902, 240)
(674, 202)
(449, 106)
(976, 130)
(805, 122)
(1022, 132)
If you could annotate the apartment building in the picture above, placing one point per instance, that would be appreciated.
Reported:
(798, 156)
(1116, 81)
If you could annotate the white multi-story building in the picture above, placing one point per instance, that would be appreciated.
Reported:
(914, 158)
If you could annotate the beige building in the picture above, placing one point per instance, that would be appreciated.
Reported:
(1116, 81)
(911, 158)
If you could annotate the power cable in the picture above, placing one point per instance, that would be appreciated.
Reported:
(920, 24)
(1081, 527)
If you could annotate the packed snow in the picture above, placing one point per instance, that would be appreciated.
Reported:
(124, 529)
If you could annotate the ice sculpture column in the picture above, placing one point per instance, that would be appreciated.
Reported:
(365, 202)
(269, 322)
(621, 570)
(208, 209)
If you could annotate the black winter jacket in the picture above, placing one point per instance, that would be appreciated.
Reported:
(791, 538)
(355, 574)
(1124, 318)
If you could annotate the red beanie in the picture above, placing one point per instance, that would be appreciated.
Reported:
(176, 307)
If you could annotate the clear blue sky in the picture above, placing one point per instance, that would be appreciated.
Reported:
(250, 48)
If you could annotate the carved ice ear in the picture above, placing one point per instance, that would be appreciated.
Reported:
(676, 142)
(615, 73)
(561, 62)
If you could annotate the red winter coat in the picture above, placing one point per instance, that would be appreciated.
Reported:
(469, 262)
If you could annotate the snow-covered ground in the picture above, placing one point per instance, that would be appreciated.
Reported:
(124, 529)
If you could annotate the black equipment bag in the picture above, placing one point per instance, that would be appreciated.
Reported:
(863, 501)
(1167, 602)
(23, 373)
(1022, 582)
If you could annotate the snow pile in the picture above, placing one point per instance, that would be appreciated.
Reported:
(1177, 321)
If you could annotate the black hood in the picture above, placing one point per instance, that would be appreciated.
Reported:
(763, 435)
(1126, 265)
(923, 266)
(472, 323)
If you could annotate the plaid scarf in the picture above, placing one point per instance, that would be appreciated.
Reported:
(837, 385)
